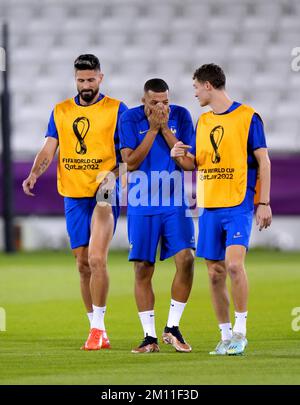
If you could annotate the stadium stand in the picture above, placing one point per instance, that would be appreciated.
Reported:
(135, 40)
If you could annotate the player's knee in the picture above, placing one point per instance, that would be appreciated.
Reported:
(189, 261)
(97, 263)
(235, 269)
(143, 272)
(217, 274)
(84, 272)
(83, 267)
(186, 263)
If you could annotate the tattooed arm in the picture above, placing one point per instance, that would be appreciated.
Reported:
(41, 164)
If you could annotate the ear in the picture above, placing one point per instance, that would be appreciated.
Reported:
(207, 85)
(101, 75)
(143, 100)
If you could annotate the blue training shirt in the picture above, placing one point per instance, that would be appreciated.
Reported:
(52, 130)
(256, 140)
(147, 194)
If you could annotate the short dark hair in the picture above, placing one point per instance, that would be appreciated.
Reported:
(87, 62)
(156, 85)
(211, 73)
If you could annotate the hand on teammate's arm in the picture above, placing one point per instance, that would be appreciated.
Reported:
(107, 182)
(184, 159)
(264, 212)
(40, 165)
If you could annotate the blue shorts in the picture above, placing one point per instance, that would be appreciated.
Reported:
(79, 213)
(220, 228)
(174, 229)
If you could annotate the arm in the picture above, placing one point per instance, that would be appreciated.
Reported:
(107, 180)
(168, 135)
(134, 158)
(180, 147)
(41, 164)
(264, 212)
(182, 157)
(107, 185)
(185, 161)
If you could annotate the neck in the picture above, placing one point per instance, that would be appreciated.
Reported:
(220, 102)
(85, 103)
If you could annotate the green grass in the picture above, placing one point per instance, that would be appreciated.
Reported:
(46, 325)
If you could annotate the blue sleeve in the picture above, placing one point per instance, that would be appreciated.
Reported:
(186, 128)
(122, 108)
(128, 130)
(256, 138)
(52, 130)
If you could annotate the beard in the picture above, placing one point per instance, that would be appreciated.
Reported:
(88, 95)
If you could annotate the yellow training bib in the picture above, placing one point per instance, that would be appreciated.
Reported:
(86, 144)
(221, 157)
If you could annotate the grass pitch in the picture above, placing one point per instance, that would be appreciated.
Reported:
(47, 324)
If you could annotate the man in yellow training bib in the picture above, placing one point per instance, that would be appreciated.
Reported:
(85, 128)
(229, 152)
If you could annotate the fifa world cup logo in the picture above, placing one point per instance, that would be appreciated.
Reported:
(216, 136)
(81, 127)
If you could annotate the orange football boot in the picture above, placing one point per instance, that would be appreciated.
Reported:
(97, 340)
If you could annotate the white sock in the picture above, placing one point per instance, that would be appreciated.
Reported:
(148, 323)
(240, 323)
(98, 317)
(90, 316)
(226, 331)
(176, 310)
